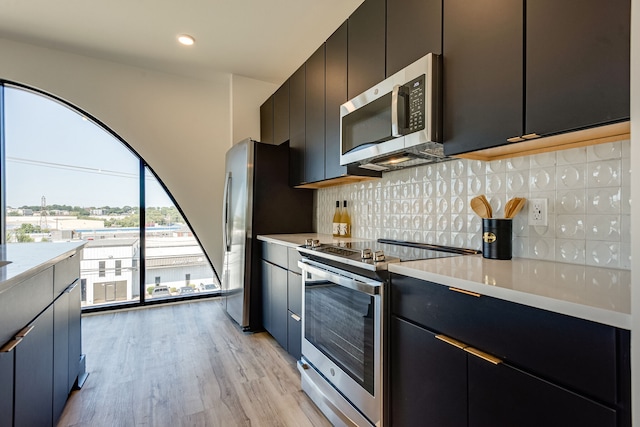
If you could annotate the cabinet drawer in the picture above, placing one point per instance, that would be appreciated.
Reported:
(65, 272)
(22, 303)
(275, 254)
(292, 259)
(575, 353)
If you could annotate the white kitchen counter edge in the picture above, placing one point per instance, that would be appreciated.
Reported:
(557, 305)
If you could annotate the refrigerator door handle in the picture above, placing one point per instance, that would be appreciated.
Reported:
(227, 210)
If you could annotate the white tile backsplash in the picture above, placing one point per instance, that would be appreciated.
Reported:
(587, 189)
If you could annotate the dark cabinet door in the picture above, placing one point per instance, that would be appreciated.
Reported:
(414, 28)
(502, 396)
(281, 114)
(6, 388)
(335, 96)
(314, 117)
(294, 292)
(266, 121)
(75, 333)
(294, 332)
(274, 302)
(482, 73)
(297, 126)
(366, 40)
(279, 312)
(428, 383)
(60, 354)
(577, 60)
(34, 374)
(266, 295)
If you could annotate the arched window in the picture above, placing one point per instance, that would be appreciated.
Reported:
(67, 178)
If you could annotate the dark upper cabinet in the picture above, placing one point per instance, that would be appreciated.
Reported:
(297, 126)
(335, 96)
(366, 51)
(483, 72)
(414, 28)
(314, 117)
(266, 121)
(577, 56)
(569, 70)
(281, 114)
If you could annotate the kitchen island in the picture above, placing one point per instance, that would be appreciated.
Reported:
(41, 357)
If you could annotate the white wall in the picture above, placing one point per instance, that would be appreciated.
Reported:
(635, 208)
(181, 127)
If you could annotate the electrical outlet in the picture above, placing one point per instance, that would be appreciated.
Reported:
(538, 212)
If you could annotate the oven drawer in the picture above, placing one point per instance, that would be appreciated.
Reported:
(579, 354)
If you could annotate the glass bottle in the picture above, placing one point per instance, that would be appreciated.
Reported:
(336, 220)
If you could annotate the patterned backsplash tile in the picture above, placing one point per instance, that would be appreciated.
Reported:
(588, 192)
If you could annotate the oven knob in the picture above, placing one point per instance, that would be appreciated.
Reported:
(378, 256)
(367, 254)
(315, 243)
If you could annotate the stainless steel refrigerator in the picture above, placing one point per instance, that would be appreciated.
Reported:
(257, 200)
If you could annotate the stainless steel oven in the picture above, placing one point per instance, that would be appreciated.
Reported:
(341, 363)
(343, 323)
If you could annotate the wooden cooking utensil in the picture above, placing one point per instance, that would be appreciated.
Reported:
(514, 206)
(480, 208)
(487, 206)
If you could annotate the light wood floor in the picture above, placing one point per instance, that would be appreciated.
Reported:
(185, 364)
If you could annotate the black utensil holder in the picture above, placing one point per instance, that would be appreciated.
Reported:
(496, 238)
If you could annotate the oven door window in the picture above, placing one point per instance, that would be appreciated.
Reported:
(340, 323)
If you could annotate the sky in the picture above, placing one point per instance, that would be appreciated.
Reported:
(52, 151)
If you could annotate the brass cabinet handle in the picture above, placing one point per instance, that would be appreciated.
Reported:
(515, 139)
(25, 331)
(451, 341)
(482, 355)
(531, 136)
(296, 317)
(462, 291)
(8, 347)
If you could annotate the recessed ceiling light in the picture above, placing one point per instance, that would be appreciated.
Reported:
(186, 39)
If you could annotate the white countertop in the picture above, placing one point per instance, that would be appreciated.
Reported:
(601, 295)
(28, 259)
(294, 240)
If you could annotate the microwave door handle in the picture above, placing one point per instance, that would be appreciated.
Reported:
(395, 120)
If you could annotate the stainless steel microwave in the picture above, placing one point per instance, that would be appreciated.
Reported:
(397, 122)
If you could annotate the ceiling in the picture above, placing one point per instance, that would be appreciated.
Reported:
(261, 39)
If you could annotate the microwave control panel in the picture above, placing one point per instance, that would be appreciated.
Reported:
(416, 116)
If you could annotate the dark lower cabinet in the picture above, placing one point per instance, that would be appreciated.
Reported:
(274, 280)
(428, 379)
(6, 388)
(502, 396)
(75, 333)
(33, 391)
(60, 353)
(294, 335)
(457, 359)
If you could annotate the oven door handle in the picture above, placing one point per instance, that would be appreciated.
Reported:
(369, 288)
